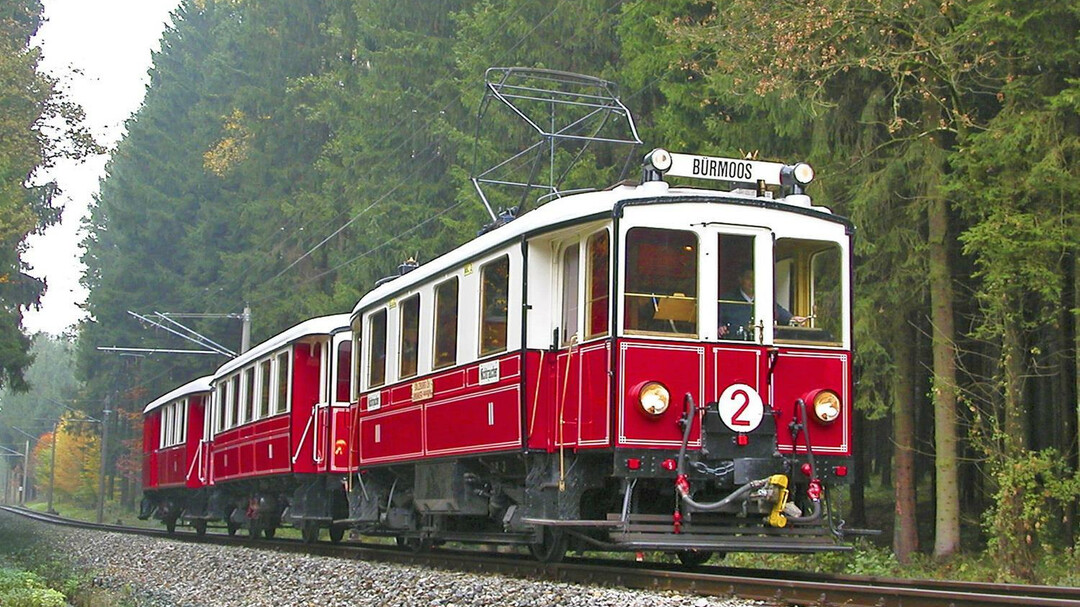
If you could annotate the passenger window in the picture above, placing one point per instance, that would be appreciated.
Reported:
(264, 388)
(494, 294)
(377, 348)
(344, 368)
(282, 403)
(410, 336)
(597, 279)
(221, 407)
(446, 323)
(249, 395)
(357, 330)
(661, 281)
(234, 401)
(570, 294)
(736, 283)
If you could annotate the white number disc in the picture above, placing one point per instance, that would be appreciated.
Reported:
(741, 408)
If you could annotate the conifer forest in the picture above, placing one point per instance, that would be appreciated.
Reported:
(290, 153)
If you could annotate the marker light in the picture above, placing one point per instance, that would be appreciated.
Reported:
(658, 159)
(653, 398)
(633, 463)
(826, 406)
(800, 174)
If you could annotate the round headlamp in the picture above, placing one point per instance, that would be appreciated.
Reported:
(826, 406)
(653, 398)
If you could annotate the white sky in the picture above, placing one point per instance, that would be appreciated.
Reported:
(100, 51)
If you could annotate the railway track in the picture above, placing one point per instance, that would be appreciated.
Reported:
(780, 588)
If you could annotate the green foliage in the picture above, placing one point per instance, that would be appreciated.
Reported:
(25, 589)
(1044, 486)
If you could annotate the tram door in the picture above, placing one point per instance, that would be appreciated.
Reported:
(739, 362)
(568, 360)
(582, 399)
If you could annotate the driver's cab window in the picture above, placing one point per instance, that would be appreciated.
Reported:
(809, 281)
(661, 282)
(735, 306)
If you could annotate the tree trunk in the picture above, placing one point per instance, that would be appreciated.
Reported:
(905, 529)
(947, 490)
(1015, 535)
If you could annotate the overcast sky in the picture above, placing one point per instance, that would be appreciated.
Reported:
(100, 50)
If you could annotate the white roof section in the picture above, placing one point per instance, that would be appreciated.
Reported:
(323, 325)
(557, 211)
(197, 386)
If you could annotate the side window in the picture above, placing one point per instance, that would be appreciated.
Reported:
(736, 283)
(344, 369)
(264, 388)
(222, 409)
(826, 299)
(166, 419)
(410, 336)
(446, 323)
(234, 401)
(494, 294)
(282, 403)
(249, 395)
(357, 367)
(570, 263)
(597, 279)
(661, 281)
(377, 348)
(181, 429)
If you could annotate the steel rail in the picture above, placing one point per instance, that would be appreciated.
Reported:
(787, 588)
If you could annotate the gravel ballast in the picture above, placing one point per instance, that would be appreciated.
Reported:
(156, 572)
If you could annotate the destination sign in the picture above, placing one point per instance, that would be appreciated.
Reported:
(725, 169)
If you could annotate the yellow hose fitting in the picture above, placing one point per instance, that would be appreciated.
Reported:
(776, 517)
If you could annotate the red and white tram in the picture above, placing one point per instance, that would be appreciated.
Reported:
(173, 448)
(645, 367)
(648, 367)
(258, 437)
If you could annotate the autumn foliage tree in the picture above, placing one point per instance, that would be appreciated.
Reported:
(78, 460)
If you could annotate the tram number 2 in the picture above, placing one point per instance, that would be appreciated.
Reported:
(741, 408)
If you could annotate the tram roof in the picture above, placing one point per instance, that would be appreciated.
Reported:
(563, 210)
(196, 386)
(323, 325)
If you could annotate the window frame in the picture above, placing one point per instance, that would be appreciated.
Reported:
(439, 323)
(590, 298)
(497, 348)
(408, 331)
(379, 315)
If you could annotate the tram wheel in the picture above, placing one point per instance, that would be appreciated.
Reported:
(269, 531)
(170, 525)
(231, 527)
(694, 558)
(200, 527)
(337, 533)
(309, 532)
(552, 545)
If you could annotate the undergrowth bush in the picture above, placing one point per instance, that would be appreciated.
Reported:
(25, 589)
